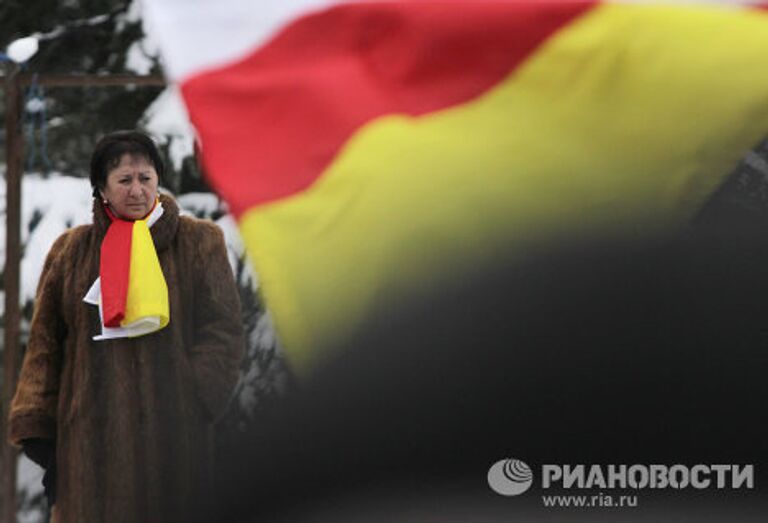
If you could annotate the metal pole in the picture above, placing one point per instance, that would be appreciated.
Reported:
(91, 80)
(13, 144)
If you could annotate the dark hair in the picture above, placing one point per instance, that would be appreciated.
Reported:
(111, 148)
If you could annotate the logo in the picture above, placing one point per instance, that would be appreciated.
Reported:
(510, 477)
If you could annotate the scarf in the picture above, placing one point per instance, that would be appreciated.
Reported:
(131, 292)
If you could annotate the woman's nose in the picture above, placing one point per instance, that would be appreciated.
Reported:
(135, 189)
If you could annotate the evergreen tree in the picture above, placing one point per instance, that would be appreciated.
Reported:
(88, 37)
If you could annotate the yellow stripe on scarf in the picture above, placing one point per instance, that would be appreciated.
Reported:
(147, 290)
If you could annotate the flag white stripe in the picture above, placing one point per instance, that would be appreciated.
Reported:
(196, 35)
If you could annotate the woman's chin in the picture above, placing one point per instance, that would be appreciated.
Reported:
(133, 213)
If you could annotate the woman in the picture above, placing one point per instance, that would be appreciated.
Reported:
(133, 353)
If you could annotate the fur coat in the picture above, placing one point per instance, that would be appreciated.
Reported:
(132, 417)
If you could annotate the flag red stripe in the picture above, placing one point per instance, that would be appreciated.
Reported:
(272, 122)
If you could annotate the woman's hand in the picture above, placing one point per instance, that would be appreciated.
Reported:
(39, 450)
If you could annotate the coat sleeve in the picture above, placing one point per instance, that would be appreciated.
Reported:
(33, 409)
(219, 343)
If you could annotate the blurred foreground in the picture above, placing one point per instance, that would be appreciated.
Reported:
(604, 353)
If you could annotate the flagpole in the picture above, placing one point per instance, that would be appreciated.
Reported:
(13, 158)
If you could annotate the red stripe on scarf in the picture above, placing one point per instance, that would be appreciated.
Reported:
(114, 269)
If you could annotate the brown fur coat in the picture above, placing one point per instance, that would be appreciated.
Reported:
(132, 418)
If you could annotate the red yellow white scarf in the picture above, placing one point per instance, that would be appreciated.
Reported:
(131, 292)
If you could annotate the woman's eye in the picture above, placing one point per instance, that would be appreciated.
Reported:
(125, 181)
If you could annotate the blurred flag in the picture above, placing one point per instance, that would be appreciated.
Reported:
(374, 149)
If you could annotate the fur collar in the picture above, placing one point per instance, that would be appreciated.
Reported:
(163, 231)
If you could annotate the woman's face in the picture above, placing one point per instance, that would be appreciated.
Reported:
(131, 187)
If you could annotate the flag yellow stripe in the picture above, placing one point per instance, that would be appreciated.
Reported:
(625, 121)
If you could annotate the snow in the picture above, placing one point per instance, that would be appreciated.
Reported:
(168, 120)
(143, 53)
(138, 60)
(29, 478)
(51, 206)
(58, 202)
(199, 203)
(61, 29)
(133, 13)
(203, 205)
(235, 246)
(22, 49)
